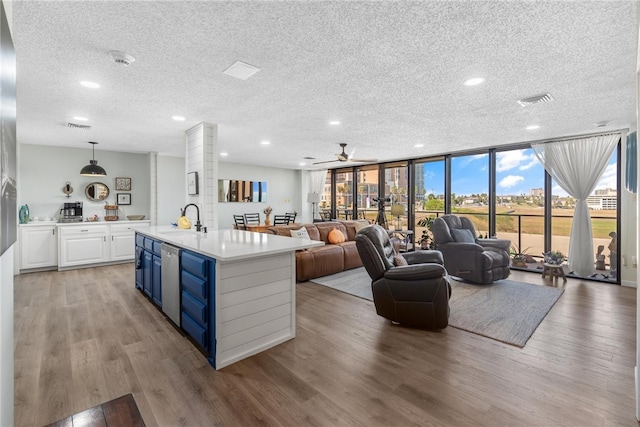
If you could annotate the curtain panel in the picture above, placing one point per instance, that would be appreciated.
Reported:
(577, 165)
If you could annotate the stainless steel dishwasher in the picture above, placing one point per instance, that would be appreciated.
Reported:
(171, 282)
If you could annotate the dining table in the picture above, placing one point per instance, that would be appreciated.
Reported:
(258, 228)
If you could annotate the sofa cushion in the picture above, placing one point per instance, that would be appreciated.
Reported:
(462, 235)
(351, 255)
(302, 233)
(325, 227)
(336, 236)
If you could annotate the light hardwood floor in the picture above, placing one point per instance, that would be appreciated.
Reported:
(83, 337)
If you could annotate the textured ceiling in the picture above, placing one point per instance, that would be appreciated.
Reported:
(391, 72)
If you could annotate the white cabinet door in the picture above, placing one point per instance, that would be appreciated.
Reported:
(79, 246)
(38, 246)
(123, 245)
(122, 241)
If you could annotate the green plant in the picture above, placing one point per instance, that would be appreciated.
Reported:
(554, 257)
(519, 254)
(426, 240)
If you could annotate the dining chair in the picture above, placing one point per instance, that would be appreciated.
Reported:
(239, 220)
(292, 216)
(252, 218)
(281, 219)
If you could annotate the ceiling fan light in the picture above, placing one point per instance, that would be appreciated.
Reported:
(92, 169)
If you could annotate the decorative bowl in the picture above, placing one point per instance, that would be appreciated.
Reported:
(135, 217)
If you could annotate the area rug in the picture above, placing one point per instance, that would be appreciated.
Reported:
(506, 311)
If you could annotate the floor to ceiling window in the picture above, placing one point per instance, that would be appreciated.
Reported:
(325, 201)
(367, 191)
(520, 201)
(470, 189)
(429, 196)
(344, 194)
(521, 205)
(396, 189)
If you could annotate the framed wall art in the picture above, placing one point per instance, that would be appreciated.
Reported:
(123, 184)
(124, 198)
(192, 183)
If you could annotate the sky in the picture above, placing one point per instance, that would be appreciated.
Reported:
(517, 172)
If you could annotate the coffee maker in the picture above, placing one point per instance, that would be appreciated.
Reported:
(71, 212)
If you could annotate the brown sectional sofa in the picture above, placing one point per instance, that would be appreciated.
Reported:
(327, 259)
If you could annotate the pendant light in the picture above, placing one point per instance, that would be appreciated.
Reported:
(92, 169)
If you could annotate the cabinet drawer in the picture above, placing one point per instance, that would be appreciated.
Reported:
(139, 240)
(197, 332)
(157, 248)
(196, 286)
(148, 244)
(194, 308)
(194, 264)
(82, 230)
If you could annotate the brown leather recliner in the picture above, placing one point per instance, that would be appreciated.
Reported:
(416, 294)
(476, 260)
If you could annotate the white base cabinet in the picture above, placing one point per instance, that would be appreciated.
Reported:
(38, 246)
(83, 245)
(76, 245)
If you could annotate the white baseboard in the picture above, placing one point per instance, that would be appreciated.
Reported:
(629, 284)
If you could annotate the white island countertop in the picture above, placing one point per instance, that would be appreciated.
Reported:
(228, 245)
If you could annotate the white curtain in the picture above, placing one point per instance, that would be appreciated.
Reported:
(577, 165)
(316, 181)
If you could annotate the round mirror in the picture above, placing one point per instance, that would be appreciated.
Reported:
(96, 191)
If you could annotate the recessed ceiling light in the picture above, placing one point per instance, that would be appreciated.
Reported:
(80, 119)
(223, 154)
(532, 127)
(302, 163)
(178, 118)
(334, 122)
(474, 81)
(265, 142)
(419, 145)
(89, 84)
(601, 124)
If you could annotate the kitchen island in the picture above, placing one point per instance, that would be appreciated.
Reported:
(237, 288)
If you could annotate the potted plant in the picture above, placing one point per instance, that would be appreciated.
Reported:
(426, 241)
(554, 257)
(519, 256)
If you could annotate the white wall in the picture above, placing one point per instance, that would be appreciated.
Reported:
(43, 171)
(284, 192)
(171, 185)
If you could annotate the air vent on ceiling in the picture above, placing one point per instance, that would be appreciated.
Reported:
(537, 99)
(77, 126)
(241, 70)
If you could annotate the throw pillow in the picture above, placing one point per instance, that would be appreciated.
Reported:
(300, 234)
(335, 236)
(360, 224)
(462, 235)
(399, 260)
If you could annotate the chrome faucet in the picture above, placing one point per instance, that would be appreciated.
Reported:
(198, 225)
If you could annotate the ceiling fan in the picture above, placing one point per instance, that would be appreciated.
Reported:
(344, 157)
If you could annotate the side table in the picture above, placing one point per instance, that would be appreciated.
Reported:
(405, 237)
(553, 270)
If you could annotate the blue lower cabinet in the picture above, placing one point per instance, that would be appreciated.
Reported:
(149, 268)
(138, 261)
(156, 280)
(147, 273)
(197, 280)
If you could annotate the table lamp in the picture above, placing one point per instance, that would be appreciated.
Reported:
(397, 211)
